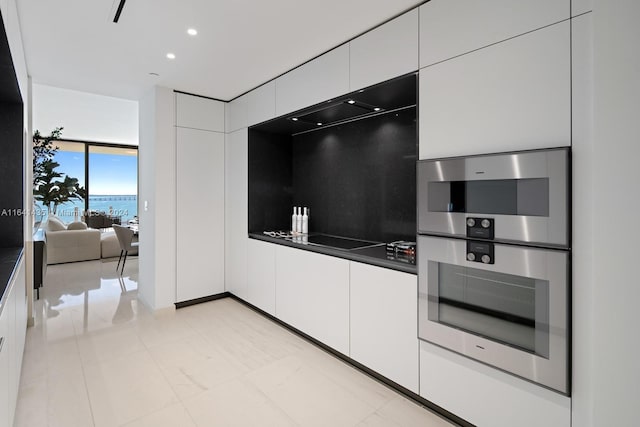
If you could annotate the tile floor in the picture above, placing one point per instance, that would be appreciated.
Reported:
(97, 357)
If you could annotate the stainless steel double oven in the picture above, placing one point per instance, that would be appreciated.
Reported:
(494, 260)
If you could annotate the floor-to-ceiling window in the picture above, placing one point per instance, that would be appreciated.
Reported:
(113, 180)
(109, 174)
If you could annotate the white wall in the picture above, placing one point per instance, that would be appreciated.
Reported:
(85, 116)
(157, 184)
(616, 176)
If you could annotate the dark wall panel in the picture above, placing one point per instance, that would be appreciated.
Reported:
(270, 190)
(11, 172)
(359, 178)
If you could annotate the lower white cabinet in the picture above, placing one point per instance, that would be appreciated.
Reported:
(261, 280)
(13, 329)
(312, 295)
(486, 396)
(384, 322)
(199, 213)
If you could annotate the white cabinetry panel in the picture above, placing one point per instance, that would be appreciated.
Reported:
(384, 319)
(262, 103)
(316, 81)
(485, 396)
(200, 213)
(261, 289)
(312, 295)
(450, 28)
(236, 114)
(579, 7)
(511, 96)
(199, 113)
(388, 51)
(5, 383)
(236, 212)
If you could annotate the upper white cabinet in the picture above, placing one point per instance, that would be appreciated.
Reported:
(261, 283)
(384, 322)
(236, 212)
(579, 7)
(450, 28)
(199, 113)
(313, 295)
(199, 213)
(510, 96)
(236, 114)
(316, 81)
(262, 103)
(385, 52)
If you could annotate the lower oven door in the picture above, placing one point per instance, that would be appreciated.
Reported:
(513, 314)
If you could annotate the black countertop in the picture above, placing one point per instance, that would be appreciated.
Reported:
(9, 258)
(373, 255)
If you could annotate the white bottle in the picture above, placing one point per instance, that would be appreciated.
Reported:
(305, 222)
(299, 220)
(294, 221)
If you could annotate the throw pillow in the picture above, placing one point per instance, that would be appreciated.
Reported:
(77, 225)
(55, 224)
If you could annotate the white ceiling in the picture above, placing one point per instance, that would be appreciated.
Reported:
(240, 43)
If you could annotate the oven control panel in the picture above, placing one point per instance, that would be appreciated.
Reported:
(480, 228)
(480, 252)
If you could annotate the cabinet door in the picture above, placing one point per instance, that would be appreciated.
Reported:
(384, 319)
(313, 295)
(236, 208)
(199, 213)
(511, 96)
(5, 383)
(261, 284)
(199, 113)
(579, 7)
(449, 28)
(316, 81)
(236, 114)
(16, 334)
(261, 103)
(388, 51)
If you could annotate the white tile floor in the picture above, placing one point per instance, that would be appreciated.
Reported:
(97, 357)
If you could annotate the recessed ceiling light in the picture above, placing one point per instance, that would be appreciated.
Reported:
(351, 101)
(319, 124)
(171, 55)
(295, 119)
(192, 32)
(377, 109)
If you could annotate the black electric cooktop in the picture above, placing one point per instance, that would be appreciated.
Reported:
(338, 242)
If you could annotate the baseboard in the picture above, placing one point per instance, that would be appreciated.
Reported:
(195, 301)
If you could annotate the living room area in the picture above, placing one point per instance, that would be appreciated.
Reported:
(85, 177)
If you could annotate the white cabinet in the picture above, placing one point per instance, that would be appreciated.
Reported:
(200, 213)
(12, 334)
(199, 113)
(510, 96)
(579, 7)
(261, 103)
(316, 81)
(384, 322)
(261, 283)
(385, 52)
(449, 28)
(236, 212)
(485, 396)
(5, 349)
(236, 114)
(313, 295)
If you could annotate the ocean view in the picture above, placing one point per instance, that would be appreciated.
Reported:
(123, 205)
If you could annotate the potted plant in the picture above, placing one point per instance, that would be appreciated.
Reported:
(47, 186)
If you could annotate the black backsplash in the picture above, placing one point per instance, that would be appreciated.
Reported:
(359, 178)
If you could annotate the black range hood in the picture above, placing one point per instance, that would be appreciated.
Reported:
(391, 95)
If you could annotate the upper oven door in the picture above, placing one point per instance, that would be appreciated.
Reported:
(525, 193)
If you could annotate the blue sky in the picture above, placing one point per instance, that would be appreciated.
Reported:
(109, 173)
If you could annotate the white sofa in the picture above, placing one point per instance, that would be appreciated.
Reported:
(74, 242)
